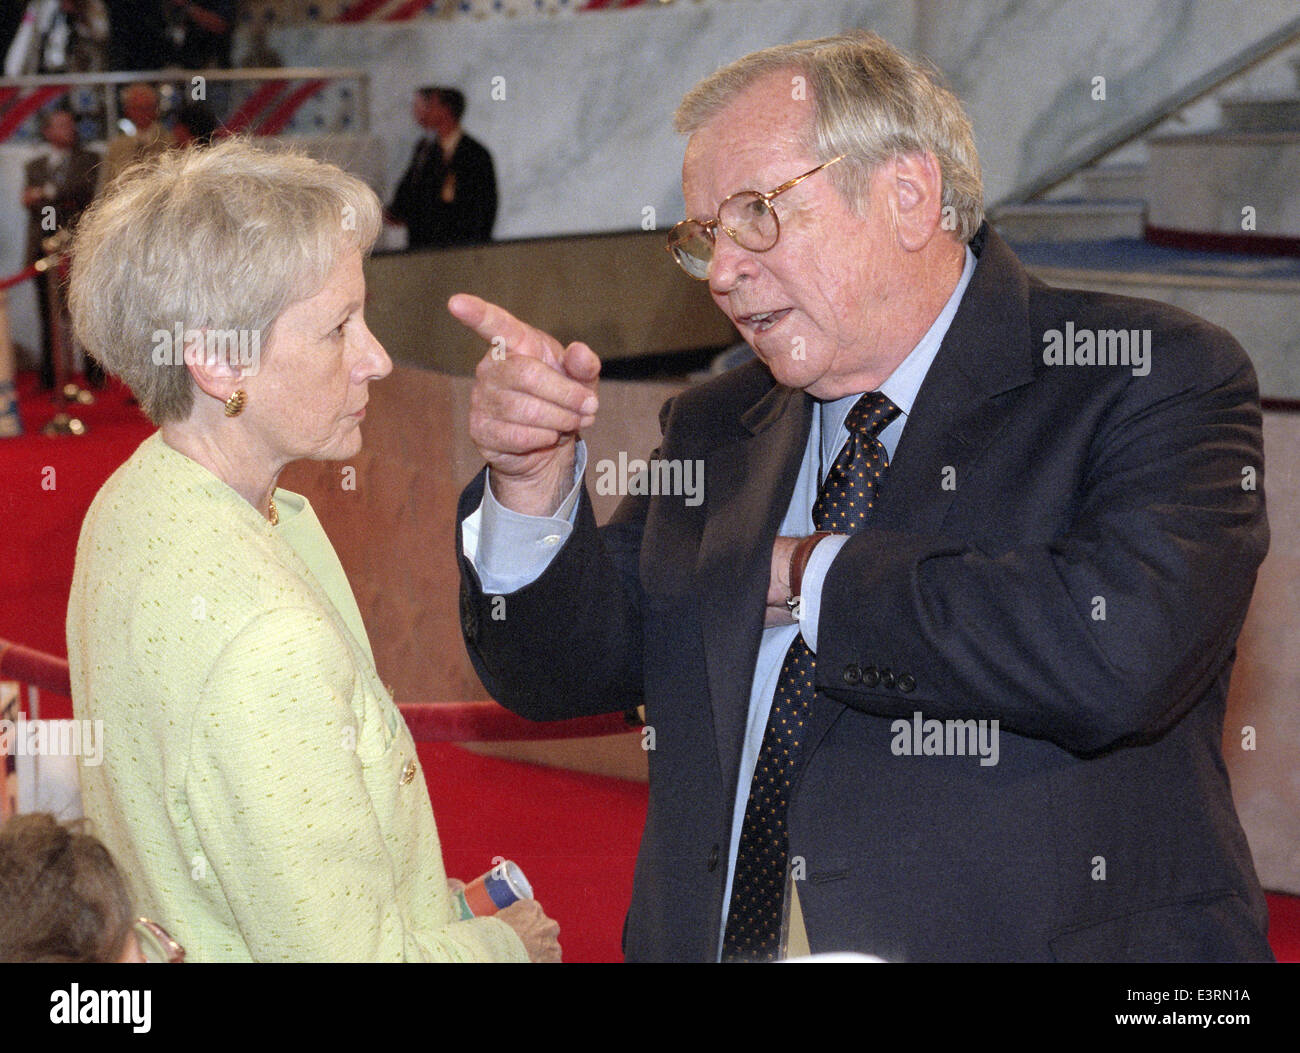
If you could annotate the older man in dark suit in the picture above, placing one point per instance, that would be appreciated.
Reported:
(448, 195)
(59, 184)
(937, 667)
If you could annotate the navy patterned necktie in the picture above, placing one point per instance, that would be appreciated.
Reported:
(754, 922)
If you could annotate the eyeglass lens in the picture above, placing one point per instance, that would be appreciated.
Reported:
(692, 246)
(750, 220)
(746, 217)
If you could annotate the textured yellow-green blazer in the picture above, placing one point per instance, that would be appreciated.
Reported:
(259, 788)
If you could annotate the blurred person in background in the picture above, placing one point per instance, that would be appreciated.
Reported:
(147, 138)
(58, 186)
(162, 34)
(59, 36)
(11, 424)
(199, 34)
(448, 195)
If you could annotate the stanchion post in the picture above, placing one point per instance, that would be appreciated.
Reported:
(53, 269)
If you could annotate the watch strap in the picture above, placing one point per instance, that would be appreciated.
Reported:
(799, 563)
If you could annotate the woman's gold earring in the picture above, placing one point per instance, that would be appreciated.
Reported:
(235, 404)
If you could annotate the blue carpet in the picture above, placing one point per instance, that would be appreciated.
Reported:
(1133, 254)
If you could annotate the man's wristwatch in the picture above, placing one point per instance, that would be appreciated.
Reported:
(798, 564)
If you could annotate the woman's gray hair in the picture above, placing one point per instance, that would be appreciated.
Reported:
(221, 238)
(870, 102)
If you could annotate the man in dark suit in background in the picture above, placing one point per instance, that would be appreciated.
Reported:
(937, 658)
(59, 184)
(448, 195)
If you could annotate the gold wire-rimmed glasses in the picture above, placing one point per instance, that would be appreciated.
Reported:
(156, 943)
(748, 218)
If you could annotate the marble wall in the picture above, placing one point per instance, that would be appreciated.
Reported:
(1027, 68)
(583, 137)
(580, 120)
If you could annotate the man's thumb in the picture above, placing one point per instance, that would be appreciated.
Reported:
(581, 363)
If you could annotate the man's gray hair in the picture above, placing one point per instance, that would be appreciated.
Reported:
(222, 238)
(870, 102)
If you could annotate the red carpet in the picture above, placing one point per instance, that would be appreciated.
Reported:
(1284, 926)
(575, 836)
(48, 485)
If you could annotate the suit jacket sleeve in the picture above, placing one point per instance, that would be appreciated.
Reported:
(1109, 629)
(569, 644)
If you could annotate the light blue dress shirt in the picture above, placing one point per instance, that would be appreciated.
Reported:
(509, 550)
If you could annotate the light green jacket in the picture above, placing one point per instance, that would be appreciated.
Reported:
(258, 788)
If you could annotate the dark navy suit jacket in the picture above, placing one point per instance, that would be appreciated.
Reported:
(1068, 550)
(468, 217)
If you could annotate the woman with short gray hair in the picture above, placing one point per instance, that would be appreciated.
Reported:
(258, 785)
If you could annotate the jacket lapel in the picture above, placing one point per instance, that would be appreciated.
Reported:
(985, 353)
(750, 482)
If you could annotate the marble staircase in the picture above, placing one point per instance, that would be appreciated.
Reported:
(1206, 219)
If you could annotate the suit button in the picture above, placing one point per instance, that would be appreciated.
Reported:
(887, 679)
(907, 683)
(713, 859)
(852, 674)
(870, 678)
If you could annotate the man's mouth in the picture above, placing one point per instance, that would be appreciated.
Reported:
(762, 321)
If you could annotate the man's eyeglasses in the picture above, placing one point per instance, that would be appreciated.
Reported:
(748, 218)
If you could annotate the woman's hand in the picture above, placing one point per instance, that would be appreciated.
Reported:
(539, 933)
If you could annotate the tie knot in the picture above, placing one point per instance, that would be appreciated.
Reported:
(870, 414)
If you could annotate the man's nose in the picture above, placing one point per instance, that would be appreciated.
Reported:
(730, 263)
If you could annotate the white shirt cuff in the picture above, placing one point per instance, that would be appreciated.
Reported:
(814, 576)
(510, 550)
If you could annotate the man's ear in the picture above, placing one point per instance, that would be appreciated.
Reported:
(214, 374)
(917, 198)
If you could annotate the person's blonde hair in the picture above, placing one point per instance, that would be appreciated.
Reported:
(223, 237)
(870, 102)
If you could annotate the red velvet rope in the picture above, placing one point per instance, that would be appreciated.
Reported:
(15, 279)
(428, 721)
